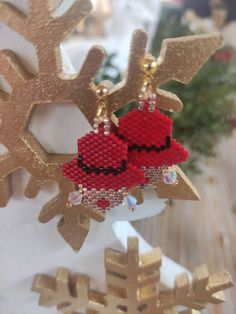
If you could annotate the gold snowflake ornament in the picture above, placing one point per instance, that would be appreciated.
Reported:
(180, 59)
(132, 287)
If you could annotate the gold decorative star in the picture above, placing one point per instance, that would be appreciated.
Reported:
(132, 287)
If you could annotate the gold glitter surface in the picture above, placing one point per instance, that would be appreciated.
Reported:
(183, 190)
(180, 60)
(132, 282)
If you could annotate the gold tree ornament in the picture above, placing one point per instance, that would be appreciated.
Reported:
(133, 286)
(180, 59)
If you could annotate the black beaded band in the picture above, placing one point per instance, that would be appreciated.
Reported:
(140, 148)
(99, 170)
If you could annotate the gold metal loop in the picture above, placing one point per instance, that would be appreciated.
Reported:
(147, 84)
(102, 110)
(102, 90)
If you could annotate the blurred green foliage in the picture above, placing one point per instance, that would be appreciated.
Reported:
(208, 99)
(109, 71)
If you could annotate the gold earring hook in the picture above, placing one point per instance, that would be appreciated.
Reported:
(102, 91)
(150, 66)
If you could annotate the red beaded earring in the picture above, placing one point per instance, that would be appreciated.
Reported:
(148, 133)
(102, 171)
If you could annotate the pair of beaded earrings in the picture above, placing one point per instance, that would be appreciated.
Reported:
(113, 159)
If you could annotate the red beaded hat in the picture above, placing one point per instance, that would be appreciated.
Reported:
(102, 163)
(149, 138)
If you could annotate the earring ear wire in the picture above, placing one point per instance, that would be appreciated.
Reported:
(102, 91)
(149, 66)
